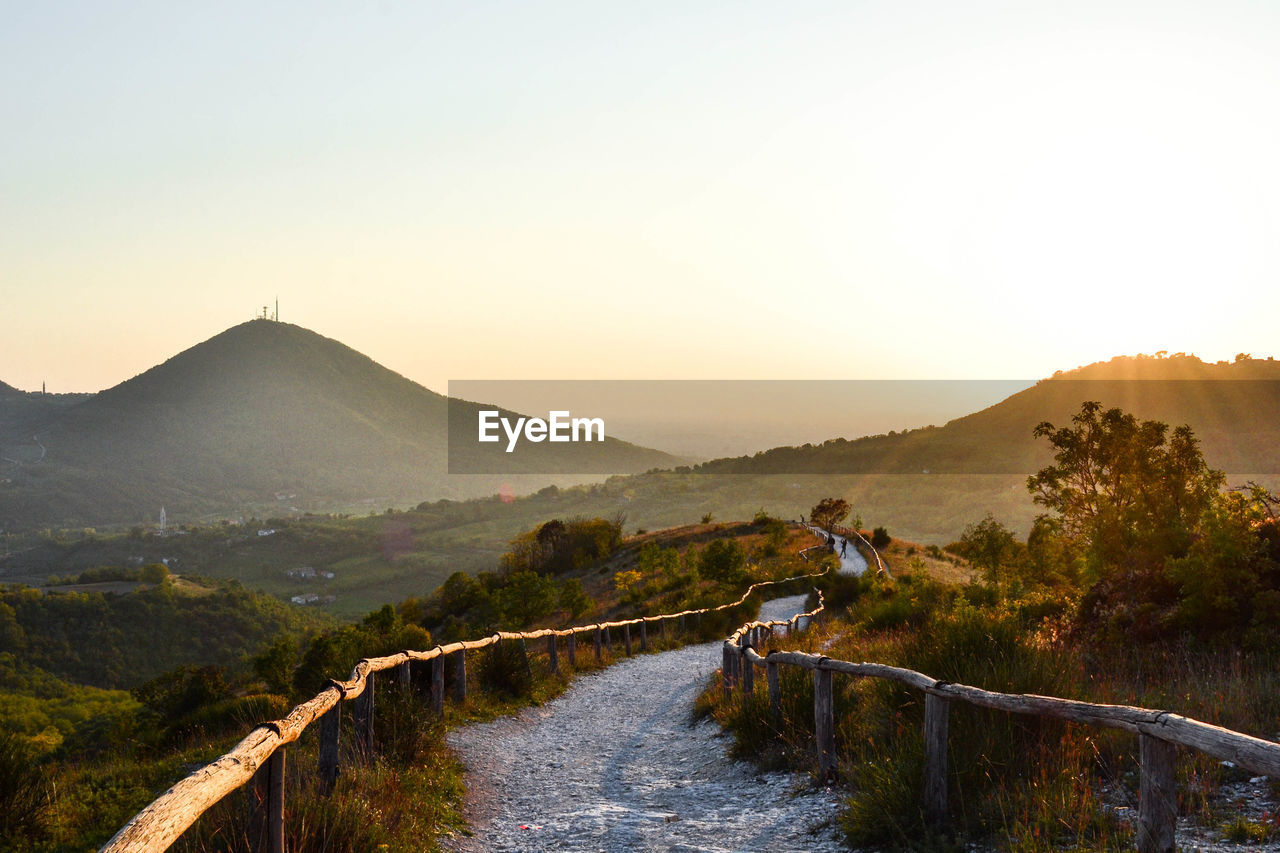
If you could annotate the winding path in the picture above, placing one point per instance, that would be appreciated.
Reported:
(614, 764)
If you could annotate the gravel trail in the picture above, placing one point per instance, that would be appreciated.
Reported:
(615, 765)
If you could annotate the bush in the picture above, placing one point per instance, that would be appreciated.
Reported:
(24, 794)
(880, 539)
(504, 669)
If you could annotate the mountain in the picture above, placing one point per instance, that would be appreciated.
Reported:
(1234, 409)
(259, 419)
(927, 484)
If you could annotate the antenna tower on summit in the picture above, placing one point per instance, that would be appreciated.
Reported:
(276, 316)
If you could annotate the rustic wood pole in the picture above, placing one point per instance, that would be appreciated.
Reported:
(608, 641)
(553, 656)
(935, 761)
(662, 630)
(437, 685)
(275, 801)
(775, 692)
(682, 625)
(644, 636)
(748, 674)
(1158, 795)
(824, 724)
(571, 646)
(406, 675)
(364, 718)
(266, 831)
(524, 655)
(330, 725)
(626, 639)
(460, 677)
(726, 670)
(599, 645)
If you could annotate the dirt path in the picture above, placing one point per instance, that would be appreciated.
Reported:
(614, 765)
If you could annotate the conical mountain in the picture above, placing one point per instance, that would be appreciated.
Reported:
(264, 416)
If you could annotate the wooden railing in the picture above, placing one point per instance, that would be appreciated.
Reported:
(1159, 732)
(261, 753)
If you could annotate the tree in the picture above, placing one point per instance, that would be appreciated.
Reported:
(1125, 492)
(988, 544)
(723, 560)
(829, 512)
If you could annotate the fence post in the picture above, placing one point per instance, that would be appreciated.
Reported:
(571, 646)
(726, 670)
(1158, 795)
(267, 824)
(437, 685)
(748, 673)
(824, 724)
(775, 691)
(662, 629)
(460, 678)
(553, 656)
(682, 626)
(330, 726)
(935, 761)
(524, 654)
(406, 675)
(364, 718)
(644, 636)
(599, 645)
(608, 641)
(275, 801)
(626, 638)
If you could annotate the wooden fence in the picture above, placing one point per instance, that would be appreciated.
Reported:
(260, 756)
(1159, 732)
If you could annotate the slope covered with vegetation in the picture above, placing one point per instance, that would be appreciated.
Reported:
(1142, 583)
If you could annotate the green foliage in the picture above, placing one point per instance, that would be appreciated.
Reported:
(574, 599)
(526, 598)
(723, 561)
(1126, 491)
(334, 653)
(880, 538)
(123, 640)
(24, 793)
(504, 668)
(829, 512)
(988, 544)
(559, 546)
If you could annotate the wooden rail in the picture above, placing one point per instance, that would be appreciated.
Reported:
(260, 754)
(1159, 732)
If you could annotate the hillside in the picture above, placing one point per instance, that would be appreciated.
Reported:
(1233, 408)
(263, 417)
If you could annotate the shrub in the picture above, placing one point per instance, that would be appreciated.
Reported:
(504, 669)
(24, 793)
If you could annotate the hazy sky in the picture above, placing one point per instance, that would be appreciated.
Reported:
(640, 190)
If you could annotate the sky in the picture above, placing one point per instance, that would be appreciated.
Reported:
(588, 190)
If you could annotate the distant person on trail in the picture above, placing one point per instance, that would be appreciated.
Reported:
(844, 546)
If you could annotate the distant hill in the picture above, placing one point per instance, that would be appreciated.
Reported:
(263, 417)
(7, 389)
(1234, 409)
